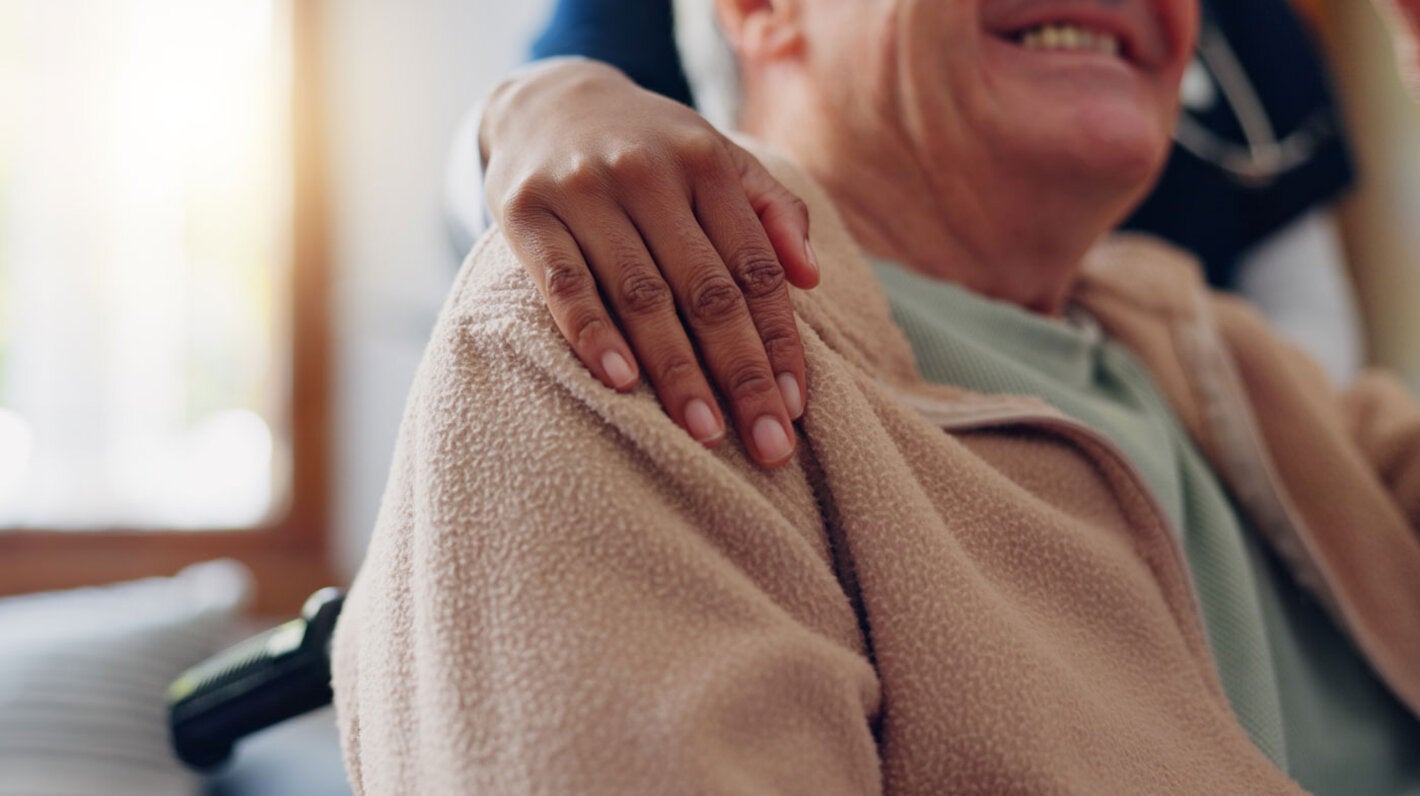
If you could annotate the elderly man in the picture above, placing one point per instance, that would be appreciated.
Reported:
(1031, 538)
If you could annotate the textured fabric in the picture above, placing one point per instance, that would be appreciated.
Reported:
(1295, 680)
(565, 593)
(988, 346)
(1328, 480)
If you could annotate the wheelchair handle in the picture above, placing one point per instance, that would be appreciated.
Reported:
(260, 682)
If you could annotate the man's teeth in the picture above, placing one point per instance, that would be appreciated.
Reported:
(1069, 37)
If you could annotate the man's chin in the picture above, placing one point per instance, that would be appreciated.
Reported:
(1118, 157)
(1113, 176)
(1123, 124)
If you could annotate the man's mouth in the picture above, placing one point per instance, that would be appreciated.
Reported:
(1069, 37)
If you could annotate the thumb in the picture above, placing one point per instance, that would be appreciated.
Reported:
(785, 218)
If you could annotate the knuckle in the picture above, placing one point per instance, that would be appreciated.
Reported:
(702, 152)
(749, 380)
(758, 273)
(527, 204)
(585, 327)
(633, 165)
(643, 292)
(798, 208)
(676, 370)
(565, 281)
(781, 341)
(714, 300)
(582, 177)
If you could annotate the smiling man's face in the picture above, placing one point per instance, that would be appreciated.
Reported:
(1024, 93)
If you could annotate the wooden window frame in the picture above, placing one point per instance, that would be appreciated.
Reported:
(290, 554)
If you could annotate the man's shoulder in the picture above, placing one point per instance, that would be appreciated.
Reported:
(492, 287)
(494, 347)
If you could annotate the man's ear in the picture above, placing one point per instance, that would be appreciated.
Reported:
(761, 30)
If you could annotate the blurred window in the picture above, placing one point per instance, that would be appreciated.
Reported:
(145, 263)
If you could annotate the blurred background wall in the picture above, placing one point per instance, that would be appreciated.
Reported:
(398, 77)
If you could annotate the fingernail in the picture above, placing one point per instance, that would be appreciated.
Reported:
(701, 422)
(618, 370)
(771, 439)
(793, 398)
(809, 252)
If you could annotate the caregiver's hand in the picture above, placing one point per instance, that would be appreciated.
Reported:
(648, 231)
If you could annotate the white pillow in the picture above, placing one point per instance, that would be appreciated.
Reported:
(84, 674)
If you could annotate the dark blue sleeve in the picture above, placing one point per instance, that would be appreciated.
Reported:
(635, 36)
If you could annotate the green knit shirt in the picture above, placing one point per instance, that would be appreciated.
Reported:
(1296, 683)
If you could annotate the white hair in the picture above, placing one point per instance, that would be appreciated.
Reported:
(709, 61)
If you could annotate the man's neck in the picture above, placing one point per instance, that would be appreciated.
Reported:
(1027, 252)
